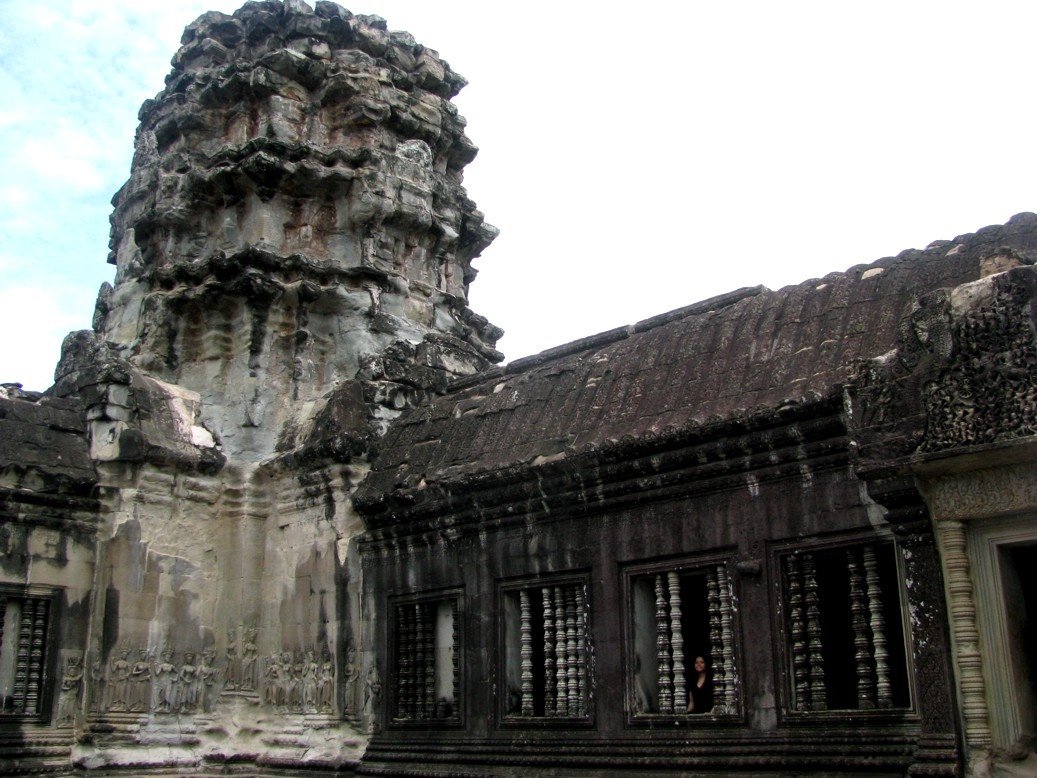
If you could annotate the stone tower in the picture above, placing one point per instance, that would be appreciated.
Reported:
(293, 252)
(294, 231)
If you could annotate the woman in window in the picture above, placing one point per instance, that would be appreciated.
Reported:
(701, 697)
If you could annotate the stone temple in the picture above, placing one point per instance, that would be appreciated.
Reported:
(281, 513)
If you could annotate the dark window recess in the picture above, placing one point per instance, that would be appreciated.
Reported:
(426, 672)
(23, 634)
(547, 652)
(846, 629)
(683, 643)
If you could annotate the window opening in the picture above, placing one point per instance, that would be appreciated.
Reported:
(546, 651)
(427, 677)
(846, 631)
(23, 631)
(683, 642)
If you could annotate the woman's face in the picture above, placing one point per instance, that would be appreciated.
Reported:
(700, 665)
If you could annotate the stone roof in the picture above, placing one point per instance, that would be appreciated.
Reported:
(750, 351)
(43, 438)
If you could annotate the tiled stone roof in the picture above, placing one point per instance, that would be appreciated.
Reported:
(752, 350)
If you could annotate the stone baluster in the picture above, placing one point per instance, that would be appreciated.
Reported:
(965, 632)
(716, 636)
(561, 657)
(818, 697)
(797, 628)
(727, 639)
(403, 685)
(662, 645)
(549, 653)
(680, 687)
(581, 651)
(526, 643)
(417, 692)
(573, 662)
(859, 624)
(455, 657)
(21, 662)
(39, 638)
(883, 685)
(428, 611)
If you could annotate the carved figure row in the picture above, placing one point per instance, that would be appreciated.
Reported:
(297, 682)
(146, 684)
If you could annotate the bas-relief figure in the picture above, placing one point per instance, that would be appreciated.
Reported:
(71, 682)
(165, 684)
(119, 681)
(140, 683)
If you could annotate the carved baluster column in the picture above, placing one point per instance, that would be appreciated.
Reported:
(716, 637)
(573, 662)
(883, 686)
(34, 682)
(409, 666)
(455, 658)
(581, 651)
(680, 688)
(662, 643)
(429, 611)
(561, 657)
(549, 653)
(818, 697)
(859, 623)
(727, 639)
(526, 643)
(797, 629)
(21, 662)
(418, 664)
(951, 536)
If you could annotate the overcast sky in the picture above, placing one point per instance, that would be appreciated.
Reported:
(636, 157)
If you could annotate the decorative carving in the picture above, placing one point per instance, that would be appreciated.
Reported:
(310, 671)
(372, 697)
(207, 676)
(68, 699)
(165, 684)
(248, 661)
(119, 681)
(989, 391)
(187, 678)
(581, 650)
(352, 676)
(326, 683)
(140, 682)
(232, 677)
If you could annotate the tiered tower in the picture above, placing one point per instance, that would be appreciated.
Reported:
(294, 226)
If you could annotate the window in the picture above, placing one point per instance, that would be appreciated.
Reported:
(682, 640)
(845, 629)
(426, 673)
(23, 643)
(546, 651)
